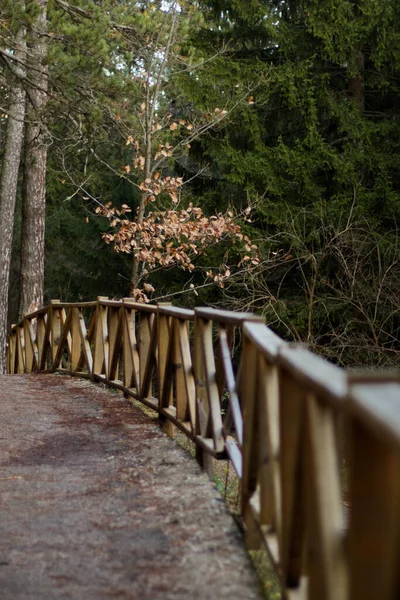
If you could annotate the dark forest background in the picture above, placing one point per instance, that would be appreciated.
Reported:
(307, 148)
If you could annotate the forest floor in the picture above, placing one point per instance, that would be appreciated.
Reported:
(96, 502)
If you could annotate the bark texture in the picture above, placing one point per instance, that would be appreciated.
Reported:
(34, 188)
(8, 186)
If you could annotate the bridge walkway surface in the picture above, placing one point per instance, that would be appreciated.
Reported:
(96, 502)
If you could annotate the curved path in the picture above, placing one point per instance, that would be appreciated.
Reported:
(96, 503)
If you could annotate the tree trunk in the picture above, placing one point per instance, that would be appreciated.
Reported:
(151, 102)
(356, 84)
(135, 273)
(34, 188)
(8, 185)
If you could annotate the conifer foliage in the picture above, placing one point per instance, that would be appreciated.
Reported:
(249, 150)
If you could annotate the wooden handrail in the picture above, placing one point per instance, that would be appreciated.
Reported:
(317, 450)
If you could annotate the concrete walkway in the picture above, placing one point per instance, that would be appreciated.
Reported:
(95, 502)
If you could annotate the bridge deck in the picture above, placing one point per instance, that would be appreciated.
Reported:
(95, 502)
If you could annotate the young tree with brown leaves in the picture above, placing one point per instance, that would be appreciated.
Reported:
(167, 230)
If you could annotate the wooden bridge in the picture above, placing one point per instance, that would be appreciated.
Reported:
(317, 450)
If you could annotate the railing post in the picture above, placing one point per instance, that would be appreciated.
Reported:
(40, 336)
(100, 350)
(203, 457)
(11, 351)
(75, 339)
(250, 448)
(55, 328)
(29, 353)
(145, 326)
(130, 351)
(164, 341)
(20, 350)
(115, 316)
(293, 486)
(185, 386)
(374, 492)
(327, 564)
(86, 357)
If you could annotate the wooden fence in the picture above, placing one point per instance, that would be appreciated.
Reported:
(317, 451)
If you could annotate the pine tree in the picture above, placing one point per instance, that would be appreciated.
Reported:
(320, 156)
(15, 73)
(34, 188)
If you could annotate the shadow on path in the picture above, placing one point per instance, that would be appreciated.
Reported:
(95, 502)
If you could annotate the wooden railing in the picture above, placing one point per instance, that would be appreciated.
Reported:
(317, 451)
